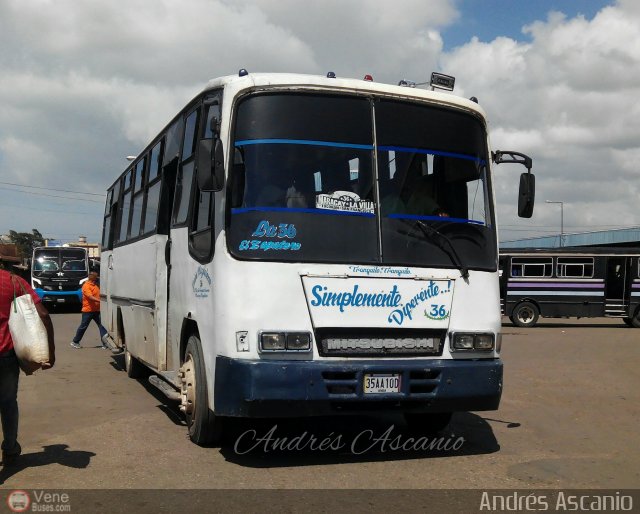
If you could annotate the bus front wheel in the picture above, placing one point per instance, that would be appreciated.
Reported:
(203, 425)
(525, 314)
(635, 321)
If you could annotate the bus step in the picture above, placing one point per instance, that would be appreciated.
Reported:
(167, 389)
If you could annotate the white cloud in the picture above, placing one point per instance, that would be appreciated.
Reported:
(569, 98)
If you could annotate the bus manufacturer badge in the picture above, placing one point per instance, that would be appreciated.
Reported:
(201, 283)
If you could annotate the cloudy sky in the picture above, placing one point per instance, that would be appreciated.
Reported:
(85, 83)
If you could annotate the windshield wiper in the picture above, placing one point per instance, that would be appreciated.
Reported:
(430, 232)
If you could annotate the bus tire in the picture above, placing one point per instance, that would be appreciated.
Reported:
(525, 314)
(203, 425)
(427, 422)
(628, 321)
(134, 368)
(635, 321)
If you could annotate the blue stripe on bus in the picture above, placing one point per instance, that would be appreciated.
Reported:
(280, 141)
(246, 142)
(432, 152)
(242, 210)
(434, 218)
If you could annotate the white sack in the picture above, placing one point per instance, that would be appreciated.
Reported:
(28, 333)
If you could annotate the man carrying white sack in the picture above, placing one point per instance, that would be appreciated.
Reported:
(11, 285)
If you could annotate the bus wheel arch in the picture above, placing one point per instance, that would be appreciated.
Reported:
(525, 314)
(203, 426)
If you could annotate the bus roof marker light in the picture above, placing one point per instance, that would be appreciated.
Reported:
(442, 81)
(368, 78)
(242, 72)
(331, 75)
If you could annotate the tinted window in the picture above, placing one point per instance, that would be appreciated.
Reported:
(151, 214)
(294, 195)
(575, 267)
(155, 162)
(434, 186)
(124, 217)
(531, 266)
(183, 192)
(136, 215)
(190, 135)
(140, 174)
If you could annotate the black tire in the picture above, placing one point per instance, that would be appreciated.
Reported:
(428, 422)
(134, 368)
(203, 425)
(628, 321)
(525, 314)
(635, 321)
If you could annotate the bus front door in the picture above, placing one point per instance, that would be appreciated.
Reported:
(616, 287)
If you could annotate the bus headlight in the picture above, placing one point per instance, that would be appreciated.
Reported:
(299, 341)
(285, 341)
(272, 341)
(461, 341)
(483, 342)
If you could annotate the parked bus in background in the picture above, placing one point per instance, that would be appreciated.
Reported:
(57, 273)
(295, 245)
(576, 282)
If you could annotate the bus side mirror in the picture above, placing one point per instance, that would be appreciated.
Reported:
(210, 161)
(527, 192)
(526, 195)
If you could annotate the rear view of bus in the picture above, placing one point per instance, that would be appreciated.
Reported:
(338, 253)
(57, 274)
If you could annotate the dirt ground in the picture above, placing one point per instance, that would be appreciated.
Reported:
(569, 418)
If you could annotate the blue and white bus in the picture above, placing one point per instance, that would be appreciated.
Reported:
(57, 273)
(299, 245)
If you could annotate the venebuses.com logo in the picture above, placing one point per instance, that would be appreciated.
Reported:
(18, 501)
(38, 501)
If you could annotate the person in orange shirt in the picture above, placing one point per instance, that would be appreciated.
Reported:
(91, 311)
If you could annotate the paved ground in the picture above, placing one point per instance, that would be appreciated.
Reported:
(569, 418)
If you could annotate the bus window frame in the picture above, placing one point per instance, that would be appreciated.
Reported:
(204, 254)
(186, 113)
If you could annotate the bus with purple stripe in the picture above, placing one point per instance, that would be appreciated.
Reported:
(570, 282)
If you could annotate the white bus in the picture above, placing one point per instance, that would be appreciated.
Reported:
(297, 245)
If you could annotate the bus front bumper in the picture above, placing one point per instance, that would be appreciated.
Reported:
(285, 388)
(59, 296)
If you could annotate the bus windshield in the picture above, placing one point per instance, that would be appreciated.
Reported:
(59, 259)
(314, 192)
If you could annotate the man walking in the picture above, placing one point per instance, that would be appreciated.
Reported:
(11, 285)
(91, 311)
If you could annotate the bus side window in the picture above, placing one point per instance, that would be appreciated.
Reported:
(152, 192)
(184, 180)
(201, 230)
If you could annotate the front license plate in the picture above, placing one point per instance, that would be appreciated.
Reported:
(380, 384)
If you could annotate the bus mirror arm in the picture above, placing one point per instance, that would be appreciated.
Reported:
(527, 190)
(210, 160)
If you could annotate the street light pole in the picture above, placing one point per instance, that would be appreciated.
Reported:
(561, 221)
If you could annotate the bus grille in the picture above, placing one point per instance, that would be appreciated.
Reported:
(367, 342)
